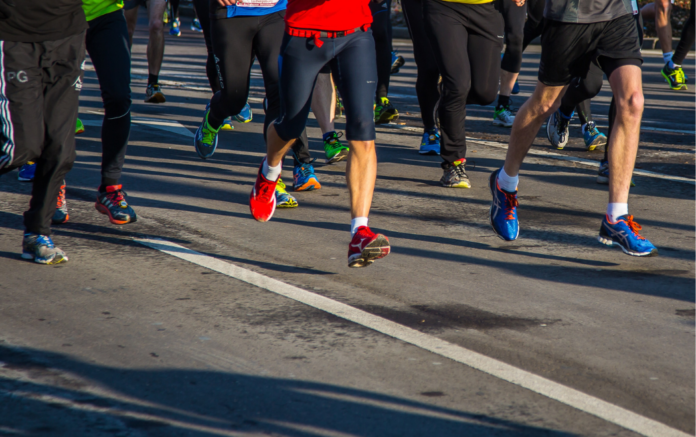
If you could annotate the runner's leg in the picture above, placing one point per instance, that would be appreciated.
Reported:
(514, 18)
(203, 12)
(687, 39)
(155, 45)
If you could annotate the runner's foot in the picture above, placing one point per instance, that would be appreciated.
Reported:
(557, 130)
(283, 198)
(503, 213)
(333, 148)
(153, 94)
(503, 116)
(79, 127)
(593, 137)
(430, 143)
(61, 216)
(366, 247)
(26, 172)
(675, 77)
(245, 116)
(206, 139)
(40, 249)
(454, 175)
(304, 178)
(262, 200)
(625, 234)
(113, 203)
(385, 112)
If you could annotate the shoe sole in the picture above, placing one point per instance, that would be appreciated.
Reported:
(104, 210)
(226, 126)
(309, 186)
(501, 124)
(677, 88)
(373, 251)
(429, 152)
(459, 185)
(244, 120)
(21, 179)
(340, 156)
(609, 242)
(287, 205)
(490, 215)
(598, 142)
(48, 262)
(156, 98)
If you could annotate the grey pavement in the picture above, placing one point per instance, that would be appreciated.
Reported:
(124, 340)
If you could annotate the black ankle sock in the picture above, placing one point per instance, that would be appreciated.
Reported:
(152, 79)
(503, 101)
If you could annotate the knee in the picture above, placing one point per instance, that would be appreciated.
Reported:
(361, 129)
(117, 105)
(483, 97)
(156, 26)
(455, 93)
(631, 105)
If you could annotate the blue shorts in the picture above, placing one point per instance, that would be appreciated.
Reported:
(353, 62)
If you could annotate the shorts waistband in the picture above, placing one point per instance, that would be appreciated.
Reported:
(317, 34)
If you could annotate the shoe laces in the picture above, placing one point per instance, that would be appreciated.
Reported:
(591, 128)
(116, 197)
(61, 197)
(306, 170)
(679, 75)
(334, 137)
(510, 205)
(634, 227)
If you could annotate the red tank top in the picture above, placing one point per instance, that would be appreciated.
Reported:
(329, 15)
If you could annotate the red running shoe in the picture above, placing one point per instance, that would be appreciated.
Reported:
(366, 247)
(262, 200)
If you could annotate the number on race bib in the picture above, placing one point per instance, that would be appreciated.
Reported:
(256, 3)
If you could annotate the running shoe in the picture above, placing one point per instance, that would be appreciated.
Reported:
(113, 203)
(366, 247)
(175, 30)
(79, 127)
(245, 116)
(206, 138)
(334, 149)
(593, 137)
(227, 124)
(557, 130)
(503, 116)
(454, 175)
(503, 213)
(153, 94)
(262, 200)
(397, 62)
(196, 25)
(61, 216)
(625, 234)
(41, 249)
(304, 178)
(603, 174)
(675, 77)
(516, 88)
(385, 112)
(283, 198)
(430, 143)
(26, 172)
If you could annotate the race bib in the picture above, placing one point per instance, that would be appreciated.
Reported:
(634, 5)
(259, 3)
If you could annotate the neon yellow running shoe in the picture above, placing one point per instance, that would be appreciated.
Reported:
(283, 198)
(385, 111)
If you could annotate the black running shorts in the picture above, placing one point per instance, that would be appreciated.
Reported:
(567, 49)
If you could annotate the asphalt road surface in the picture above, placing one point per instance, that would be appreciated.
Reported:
(231, 327)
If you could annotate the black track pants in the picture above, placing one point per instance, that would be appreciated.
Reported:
(466, 40)
(687, 39)
(514, 17)
(382, 33)
(426, 82)
(235, 42)
(39, 90)
(534, 25)
(107, 45)
(202, 8)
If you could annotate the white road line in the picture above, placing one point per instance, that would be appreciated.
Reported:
(552, 155)
(569, 396)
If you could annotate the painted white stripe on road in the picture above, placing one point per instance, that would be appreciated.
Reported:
(545, 387)
(552, 155)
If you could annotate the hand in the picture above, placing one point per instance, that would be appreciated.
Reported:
(227, 2)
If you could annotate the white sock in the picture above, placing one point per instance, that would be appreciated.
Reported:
(356, 223)
(271, 173)
(616, 210)
(507, 183)
(667, 57)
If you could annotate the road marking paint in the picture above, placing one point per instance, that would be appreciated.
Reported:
(552, 155)
(545, 387)
(155, 123)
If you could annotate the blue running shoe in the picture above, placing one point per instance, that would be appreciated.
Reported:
(304, 178)
(196, 25)
(593, 137)
(430, 144)
(41, 249)
(516, 88)
(206, 138)
(26, 172)
(625, 233)
(503, 213)
(245, 116)
(397, 62)
(175, 30)
(283, 198)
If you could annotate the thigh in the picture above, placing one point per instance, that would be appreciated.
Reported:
(155, 10)
(566, 51)
(448, 41)
(484, 61)
(356, 67)
(267, 47)
(21, 103)
(202, 8)
(233, 40)
(107, 45)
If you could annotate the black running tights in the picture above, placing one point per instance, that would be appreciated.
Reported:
(382, 33)
(427, 91)
(202, 8)
(687, 39)
(513, 16)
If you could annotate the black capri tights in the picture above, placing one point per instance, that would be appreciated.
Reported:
(513, 16)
